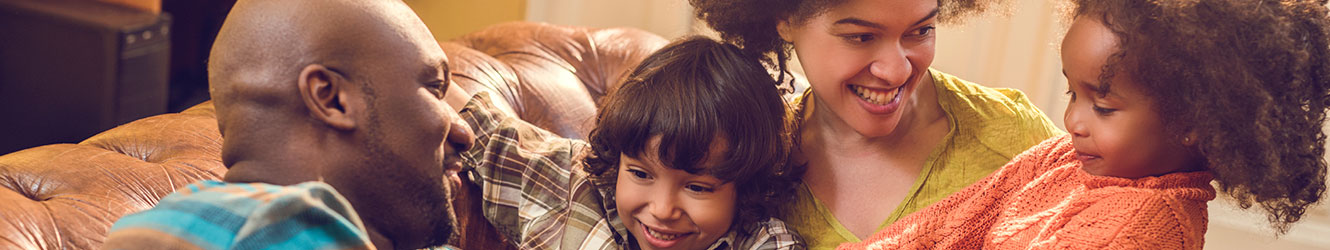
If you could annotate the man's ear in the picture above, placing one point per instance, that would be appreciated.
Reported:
(324, 94)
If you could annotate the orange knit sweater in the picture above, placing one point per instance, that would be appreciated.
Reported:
(1042, 199)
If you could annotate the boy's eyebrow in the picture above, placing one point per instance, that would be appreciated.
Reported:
(635, 160)
(626, 158)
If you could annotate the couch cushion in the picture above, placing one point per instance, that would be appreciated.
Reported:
(68, 195)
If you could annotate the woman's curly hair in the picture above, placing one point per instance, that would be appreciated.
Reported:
(751, 24)
(1248, 78)
(690, 93)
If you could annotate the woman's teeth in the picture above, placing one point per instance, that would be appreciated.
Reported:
(875, 96)
(662, 236)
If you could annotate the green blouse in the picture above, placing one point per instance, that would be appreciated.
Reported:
(989, 126)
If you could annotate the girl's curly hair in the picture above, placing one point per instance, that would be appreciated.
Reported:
(1248, 78)
(751, 24)
(690, 93)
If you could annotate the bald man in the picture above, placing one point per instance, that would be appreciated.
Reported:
(336, 135)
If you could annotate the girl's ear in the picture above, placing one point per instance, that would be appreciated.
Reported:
(1189, 138)
(786, 30)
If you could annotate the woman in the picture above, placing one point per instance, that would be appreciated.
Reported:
(881, 134)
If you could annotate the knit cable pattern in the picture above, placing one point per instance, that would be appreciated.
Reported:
(1042, 199)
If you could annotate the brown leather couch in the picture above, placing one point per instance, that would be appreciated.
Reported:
(66, 196)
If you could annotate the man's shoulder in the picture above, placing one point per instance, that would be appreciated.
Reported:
(221, 215)
(212, 199)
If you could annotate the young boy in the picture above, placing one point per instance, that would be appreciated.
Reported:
(688, 153)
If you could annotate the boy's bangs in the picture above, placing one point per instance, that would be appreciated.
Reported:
(686, 125)
(691, 94)
(688, 122)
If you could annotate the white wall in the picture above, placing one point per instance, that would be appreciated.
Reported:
(668, 18)
(448, 19)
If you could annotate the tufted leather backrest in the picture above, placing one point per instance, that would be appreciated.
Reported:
(66, 196)
(551, 76)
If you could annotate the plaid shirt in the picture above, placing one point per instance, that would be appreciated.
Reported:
(537, 193)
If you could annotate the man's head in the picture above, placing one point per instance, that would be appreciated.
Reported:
(347, 92)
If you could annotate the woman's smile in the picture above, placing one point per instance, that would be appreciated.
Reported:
(877, 100)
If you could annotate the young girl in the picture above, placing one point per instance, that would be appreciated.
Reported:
(1166, 95)
(688, 153)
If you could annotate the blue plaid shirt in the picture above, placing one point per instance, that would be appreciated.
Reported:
(220, 215)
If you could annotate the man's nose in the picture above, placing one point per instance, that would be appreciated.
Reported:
(459, 136)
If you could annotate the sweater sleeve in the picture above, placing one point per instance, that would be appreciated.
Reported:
(963, 219)
(1127, 221)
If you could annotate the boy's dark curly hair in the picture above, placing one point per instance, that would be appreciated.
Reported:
(751, 24)
(1248, 78)
(690, 93)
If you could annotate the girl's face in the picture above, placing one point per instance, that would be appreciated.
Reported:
(666, 208)
(1118, 134)
(865, 58)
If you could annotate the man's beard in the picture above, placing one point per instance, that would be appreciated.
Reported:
(429, 194)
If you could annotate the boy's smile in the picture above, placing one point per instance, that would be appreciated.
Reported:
(667, 208)
(662, 238)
